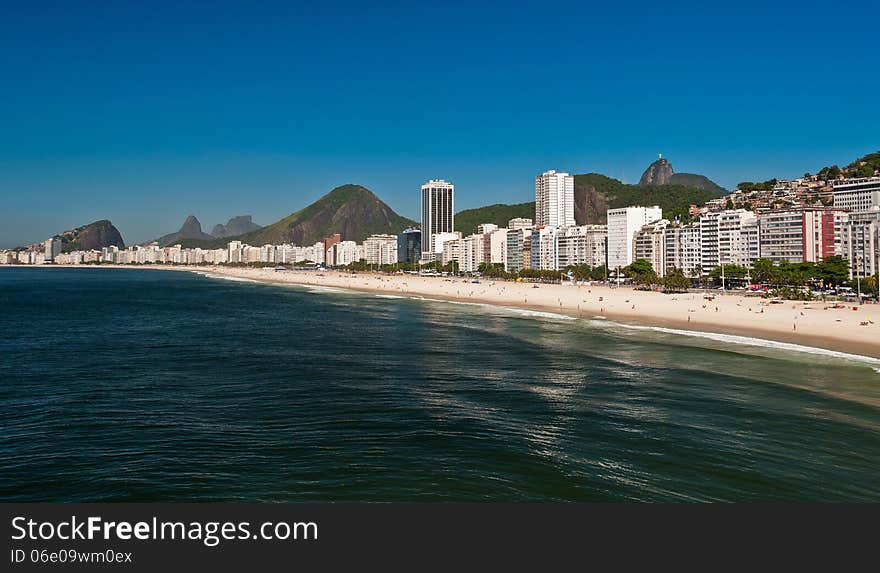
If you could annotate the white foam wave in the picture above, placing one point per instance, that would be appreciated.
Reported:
(228, 278)
(760, 342)
(388, 296)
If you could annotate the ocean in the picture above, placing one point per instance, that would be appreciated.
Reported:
(145, 385)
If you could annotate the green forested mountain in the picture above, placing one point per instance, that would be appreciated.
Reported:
(350, 210)
(695, 181)
(594, 194)
(466, 221)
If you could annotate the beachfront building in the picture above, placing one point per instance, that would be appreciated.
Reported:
(409, 246)
(471, 253)
(860, 242)
(649, 244)
(519, 223)
(582, 245)
(622, 226)
(554, 199)
(857, 194)
(51, 249)
(682, 243)
(438, 215)
(495, 246)
(451, 252)
(728, 237)
(380, 249)
(344, 253)
(517, 256)
(799, 234)
(543, 249)
(486, 228)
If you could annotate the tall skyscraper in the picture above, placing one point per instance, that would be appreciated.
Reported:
(554, 199)
(437, 213)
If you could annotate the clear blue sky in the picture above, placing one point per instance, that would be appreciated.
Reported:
(144, 112)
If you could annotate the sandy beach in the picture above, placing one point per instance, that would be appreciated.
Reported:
(806, 323)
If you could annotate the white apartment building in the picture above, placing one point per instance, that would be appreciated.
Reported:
(486, 228)
(543, 249)
(857, 194)
(554, 199)
(622, 226)
(519, 223)
(800, 234)
(380, 249)
(728, 237)
(347, 252)
(649, 244)
(438, 215)
(583, 245)
(860, 242)
(683, 248)
(452, 252)
(470, 253)
(495, 246)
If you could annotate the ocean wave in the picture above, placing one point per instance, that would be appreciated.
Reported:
(319, 288)
(388, 296)
(227, 278)
(752, 341)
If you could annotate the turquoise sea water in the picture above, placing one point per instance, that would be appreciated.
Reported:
(141, 385)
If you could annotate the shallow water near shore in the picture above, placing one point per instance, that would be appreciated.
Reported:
(138, 385)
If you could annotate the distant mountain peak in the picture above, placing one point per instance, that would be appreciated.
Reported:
(191, 229)
(351, 210)
(658, 173)
(238, 225)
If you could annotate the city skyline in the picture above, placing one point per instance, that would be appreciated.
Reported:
(235, 112)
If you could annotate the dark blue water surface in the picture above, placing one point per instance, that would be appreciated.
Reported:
(146, 385)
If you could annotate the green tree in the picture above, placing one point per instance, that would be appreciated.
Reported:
(832, 270)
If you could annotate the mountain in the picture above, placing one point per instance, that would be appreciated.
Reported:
(353, 211)
(660, 172)
(695, 181)
(594, 194)
(191, 229)
(466, 221)
(657, 173)
(95, 235)
(236, 226)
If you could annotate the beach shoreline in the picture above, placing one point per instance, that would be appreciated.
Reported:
(812, 324)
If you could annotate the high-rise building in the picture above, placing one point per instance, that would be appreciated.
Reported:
(860, 242)
(728, 237)
(52, 249)
(649, 244)
(515, 250)
(857, 194)
(409, 246)
(554, 199)
(583, 245)
(683, 248)
(380, 249)
(438, 214)
(799, 234)
(622, 226)
(329, 241)
(543, 249)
